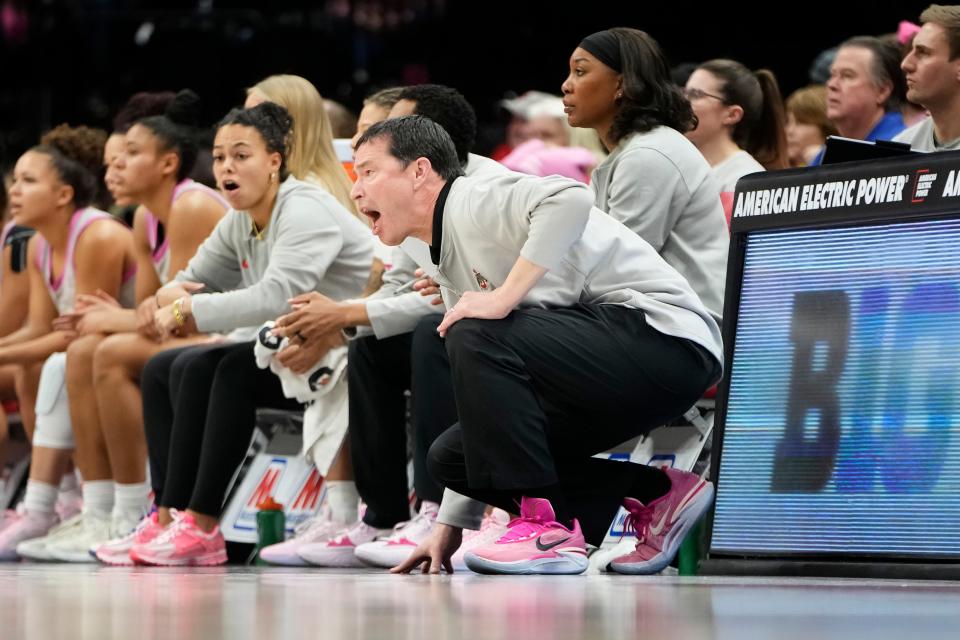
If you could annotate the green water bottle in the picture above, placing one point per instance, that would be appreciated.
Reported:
(691, 549)
(271, 525)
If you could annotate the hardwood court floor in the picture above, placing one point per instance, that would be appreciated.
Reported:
(38, 602)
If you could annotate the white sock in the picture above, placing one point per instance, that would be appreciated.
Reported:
(98, 497)
(342, 498)
(132, 502)
(40, 498)
(69, 482)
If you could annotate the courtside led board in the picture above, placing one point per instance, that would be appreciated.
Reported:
(839, 419)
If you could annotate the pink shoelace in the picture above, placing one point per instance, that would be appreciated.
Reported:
(524, 527)
(638, 521)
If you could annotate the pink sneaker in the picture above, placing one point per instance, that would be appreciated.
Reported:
(492, 529)
(534, 543)
(117, 551)
(340, 550)
(407, 536)
(24, 527)
(319, 529)
(662, 526)
(181, 544)
(9, 516)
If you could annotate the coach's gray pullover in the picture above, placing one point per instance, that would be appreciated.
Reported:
(659, 185)
(312, 243)
(391, 314)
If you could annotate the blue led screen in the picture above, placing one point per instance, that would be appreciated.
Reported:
(842, 432)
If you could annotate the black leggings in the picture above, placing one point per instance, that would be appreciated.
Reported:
(543, 390)
(199, 410)
(380, 372)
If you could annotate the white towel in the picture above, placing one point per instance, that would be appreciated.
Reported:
(323, 387)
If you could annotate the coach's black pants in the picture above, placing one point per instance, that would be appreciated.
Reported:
(541, 391)
(379, 374)
(199, 412)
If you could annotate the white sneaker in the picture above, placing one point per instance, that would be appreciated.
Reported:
(318, 529)
(339, 550)
(26, 527)
(74, 545)
(37, 547)
(394, 549)
(493, 527)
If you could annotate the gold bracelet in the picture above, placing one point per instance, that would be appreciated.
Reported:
(178, 313)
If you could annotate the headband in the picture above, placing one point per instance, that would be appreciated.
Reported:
(605, 47)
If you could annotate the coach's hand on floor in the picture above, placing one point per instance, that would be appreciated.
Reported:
(434, 552)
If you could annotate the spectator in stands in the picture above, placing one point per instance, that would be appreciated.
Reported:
(865, 90)
(903, 38)
(281, 238)
(654, 180)
(77, 250)
(555, 148)
(933, 80)
(740, 120)
(175, 214)
(807, 124)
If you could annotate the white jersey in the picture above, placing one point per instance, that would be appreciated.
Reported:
(63, 289)
(159, 246)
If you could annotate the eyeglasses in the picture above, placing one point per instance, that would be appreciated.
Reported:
(695, 94)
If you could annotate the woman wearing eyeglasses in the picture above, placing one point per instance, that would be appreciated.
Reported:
(654, 181)
(741, 126)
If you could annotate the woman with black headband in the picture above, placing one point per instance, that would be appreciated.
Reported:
(654, 181)
(658, 184)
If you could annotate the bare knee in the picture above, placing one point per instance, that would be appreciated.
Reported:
(80, 358)
(121, 354)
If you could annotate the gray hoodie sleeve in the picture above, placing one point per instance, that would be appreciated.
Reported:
(460, 511)
(557, 210)
(391, 314)
(215, 264)
(307, 240)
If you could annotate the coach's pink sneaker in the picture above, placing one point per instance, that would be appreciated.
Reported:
(534, 543)
(663, 524)
(182, 543)
(117, 551)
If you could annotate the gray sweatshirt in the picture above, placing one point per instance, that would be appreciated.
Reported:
(391, 314)
(489, 221)
(920, 137)
(311, 244)
(659, 185)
